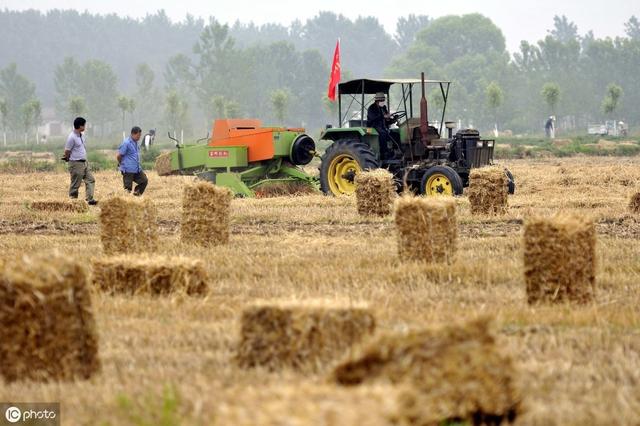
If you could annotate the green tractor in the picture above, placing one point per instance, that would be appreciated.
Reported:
(418, 155)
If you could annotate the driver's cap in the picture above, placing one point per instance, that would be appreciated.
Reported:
(380, 96)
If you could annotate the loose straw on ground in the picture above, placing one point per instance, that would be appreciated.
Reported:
(74, 206)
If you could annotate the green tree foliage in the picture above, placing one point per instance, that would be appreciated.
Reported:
(94, 81)
(407, 29)
(4, 114)
(611, 99)
(632, 28)
(551, 95)
(563, 29)
(175, 112)
(95, 57)
(31, 114)
(147, 95)
(470, 50)
(123, 104)
(280, 102)
(495, 97)
(17, 91)
(76, 106)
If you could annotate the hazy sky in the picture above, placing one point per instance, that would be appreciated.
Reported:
(517, 19)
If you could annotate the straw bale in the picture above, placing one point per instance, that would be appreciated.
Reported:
(151, 275)
(305, 404)
(205, 214)
(634, 203)
(375, 192)
(488, 191)
(455, 372)
(128, 225)
(163, 164)
(427, 228)
(301, 335)
(559, 259)
(75, 206)
(47, 330)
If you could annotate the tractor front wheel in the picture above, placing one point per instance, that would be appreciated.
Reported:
(341, 162)
(441, 180)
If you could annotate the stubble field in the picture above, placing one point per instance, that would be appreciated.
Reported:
(170, 359)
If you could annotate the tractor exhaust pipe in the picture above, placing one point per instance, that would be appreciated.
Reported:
(424, 119)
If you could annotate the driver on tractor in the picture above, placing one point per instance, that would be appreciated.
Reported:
(379, 118)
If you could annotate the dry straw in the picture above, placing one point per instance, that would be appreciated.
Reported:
(375, 192)
(128, 225)
(163, 164)
(427, 228)
(150, 275)
(304, 403)
(205, 214)
(559, 259)
(634, 203)
(47, 330)
(302, 335)
(488, 191)
(448, 373)
(75, 206)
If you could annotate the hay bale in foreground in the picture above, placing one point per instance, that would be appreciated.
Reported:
(150, 275)
(375, 192)
(205, 214)
(559, 259)
(301, 335)
(634, 203)
(163, 164)
(448, 373)
(128, 225)
(74, 206)
(47, 330)
(427, 228)
(488, 191)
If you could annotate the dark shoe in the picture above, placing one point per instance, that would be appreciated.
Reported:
(92, 202)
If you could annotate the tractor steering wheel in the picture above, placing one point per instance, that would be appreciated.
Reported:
(398, 115)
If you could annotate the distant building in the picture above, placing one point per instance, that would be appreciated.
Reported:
(52, 129)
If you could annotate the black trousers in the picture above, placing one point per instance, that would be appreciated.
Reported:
(139, 178)
(384, 137)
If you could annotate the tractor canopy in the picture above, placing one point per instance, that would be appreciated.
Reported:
(355, 96)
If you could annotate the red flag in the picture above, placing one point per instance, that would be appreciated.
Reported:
(335, 73)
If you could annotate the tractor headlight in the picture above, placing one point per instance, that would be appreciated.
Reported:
(490, 144)
(479, 144)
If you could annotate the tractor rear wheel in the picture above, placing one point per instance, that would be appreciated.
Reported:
(341, 162)
(441, 180)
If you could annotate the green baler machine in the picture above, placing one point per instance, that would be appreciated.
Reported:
(247, 158)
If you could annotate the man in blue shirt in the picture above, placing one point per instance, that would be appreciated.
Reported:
(129, 163)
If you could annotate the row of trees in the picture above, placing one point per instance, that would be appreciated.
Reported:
(279, 74)
(580, 78)
(20, 110)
